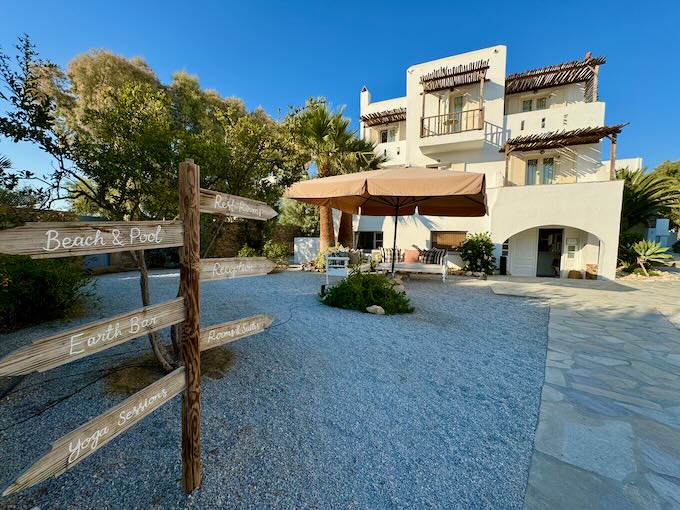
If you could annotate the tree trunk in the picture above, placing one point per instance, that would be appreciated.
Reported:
(326, 230)
(345, 232)
(154, 339)
(642, 265)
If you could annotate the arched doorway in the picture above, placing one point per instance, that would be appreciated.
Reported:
(553, 251)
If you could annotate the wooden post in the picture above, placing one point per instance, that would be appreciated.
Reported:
(612, 158)
(506, 179)
(189, 289)
(481, 100)
(595, 94)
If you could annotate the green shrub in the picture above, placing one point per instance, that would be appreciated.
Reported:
(477, 253)
(278, 252)
(39, 290)
(247, 251)
(626, 253)
(638, 271)
(676, 247)
(360, 290)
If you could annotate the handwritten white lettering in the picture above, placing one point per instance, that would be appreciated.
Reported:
(233, 332)
(141, 407)
(58, 241)
(83, 444)
(240, 206)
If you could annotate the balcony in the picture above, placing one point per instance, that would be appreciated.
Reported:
(449, 123)
(452, 131)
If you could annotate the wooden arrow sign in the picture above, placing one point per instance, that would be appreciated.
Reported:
(49, 240)
(237, 267)
(84, 441)
(232, 205)
(63, 348)
(235, 330)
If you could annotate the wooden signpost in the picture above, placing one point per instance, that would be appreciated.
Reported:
(77, 343)
(237, 267)
(84, 441)
(48, 240)
(231, 205)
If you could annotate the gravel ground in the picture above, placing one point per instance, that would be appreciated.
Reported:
(327, 409)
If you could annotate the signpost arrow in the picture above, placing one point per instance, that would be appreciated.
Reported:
(220, 269)
(68, 346)
(231, 331)
(84, 441)
(232, 205)
(50, 240)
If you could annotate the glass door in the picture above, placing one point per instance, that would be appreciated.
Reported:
(457, 111)
(532, 168)
(548, 171)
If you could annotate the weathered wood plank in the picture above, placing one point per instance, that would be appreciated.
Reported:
(62, 348)
(84, 441)
(234, 330)
(237, 267)
(189, 285)
(232, 205)
(55, 239)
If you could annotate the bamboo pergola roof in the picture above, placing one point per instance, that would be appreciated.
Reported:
(556, 139)
(384, 117)
(449, 77)
(553, 76)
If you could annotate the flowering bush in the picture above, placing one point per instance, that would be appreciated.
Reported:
(477, 253)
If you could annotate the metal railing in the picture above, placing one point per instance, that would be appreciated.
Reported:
(450, 123)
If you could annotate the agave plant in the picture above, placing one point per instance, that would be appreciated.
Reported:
(650, 252)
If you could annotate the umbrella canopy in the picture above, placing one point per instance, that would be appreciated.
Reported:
(397, 192)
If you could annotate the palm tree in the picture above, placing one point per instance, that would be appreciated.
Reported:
(646, 196)
(326, 135)
(649, 252)
(361, 157)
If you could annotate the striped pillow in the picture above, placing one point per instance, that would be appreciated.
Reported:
(387, 255)
(434, 256)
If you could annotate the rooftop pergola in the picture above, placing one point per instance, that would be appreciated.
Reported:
(560, 139)
(576, 71)
(384, 117)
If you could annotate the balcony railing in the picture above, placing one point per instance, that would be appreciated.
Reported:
(450, 123)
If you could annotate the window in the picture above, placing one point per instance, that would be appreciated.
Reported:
(548, 171)
(369, 240)
(447, 239)
(527, 105)
(541, 103)
(532, 167)
(521, 126)
(543, 122)
(505, 249)
(388, 135)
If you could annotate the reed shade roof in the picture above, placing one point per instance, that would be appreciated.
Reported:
(449, 77)
(556, 139)
(384, 117)
(397, 192)
(552, 76)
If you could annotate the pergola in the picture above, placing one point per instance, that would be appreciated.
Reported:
(559, 139)
(447, 78)
(576, 71)
(384, 117)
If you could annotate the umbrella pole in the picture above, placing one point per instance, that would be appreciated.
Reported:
(394, 244)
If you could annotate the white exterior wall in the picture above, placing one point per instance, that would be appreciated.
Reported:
(582, 201)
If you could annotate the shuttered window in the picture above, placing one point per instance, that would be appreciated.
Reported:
(448, 239)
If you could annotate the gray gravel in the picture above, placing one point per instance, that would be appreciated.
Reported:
(327, 409)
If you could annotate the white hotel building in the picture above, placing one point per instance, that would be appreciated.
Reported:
(553, 203)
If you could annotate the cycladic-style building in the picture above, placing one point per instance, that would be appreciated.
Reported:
(554, 204)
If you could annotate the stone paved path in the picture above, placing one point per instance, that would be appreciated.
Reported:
(609, 426)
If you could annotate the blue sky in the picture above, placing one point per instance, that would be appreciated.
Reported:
(275, 54)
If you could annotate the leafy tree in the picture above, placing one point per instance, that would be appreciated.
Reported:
(648, 253)
(646, 195)
(116, 135)
(305, 216)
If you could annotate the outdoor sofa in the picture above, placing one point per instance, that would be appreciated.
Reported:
(432, 261)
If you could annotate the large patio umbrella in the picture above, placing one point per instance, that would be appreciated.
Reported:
(397, 192)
